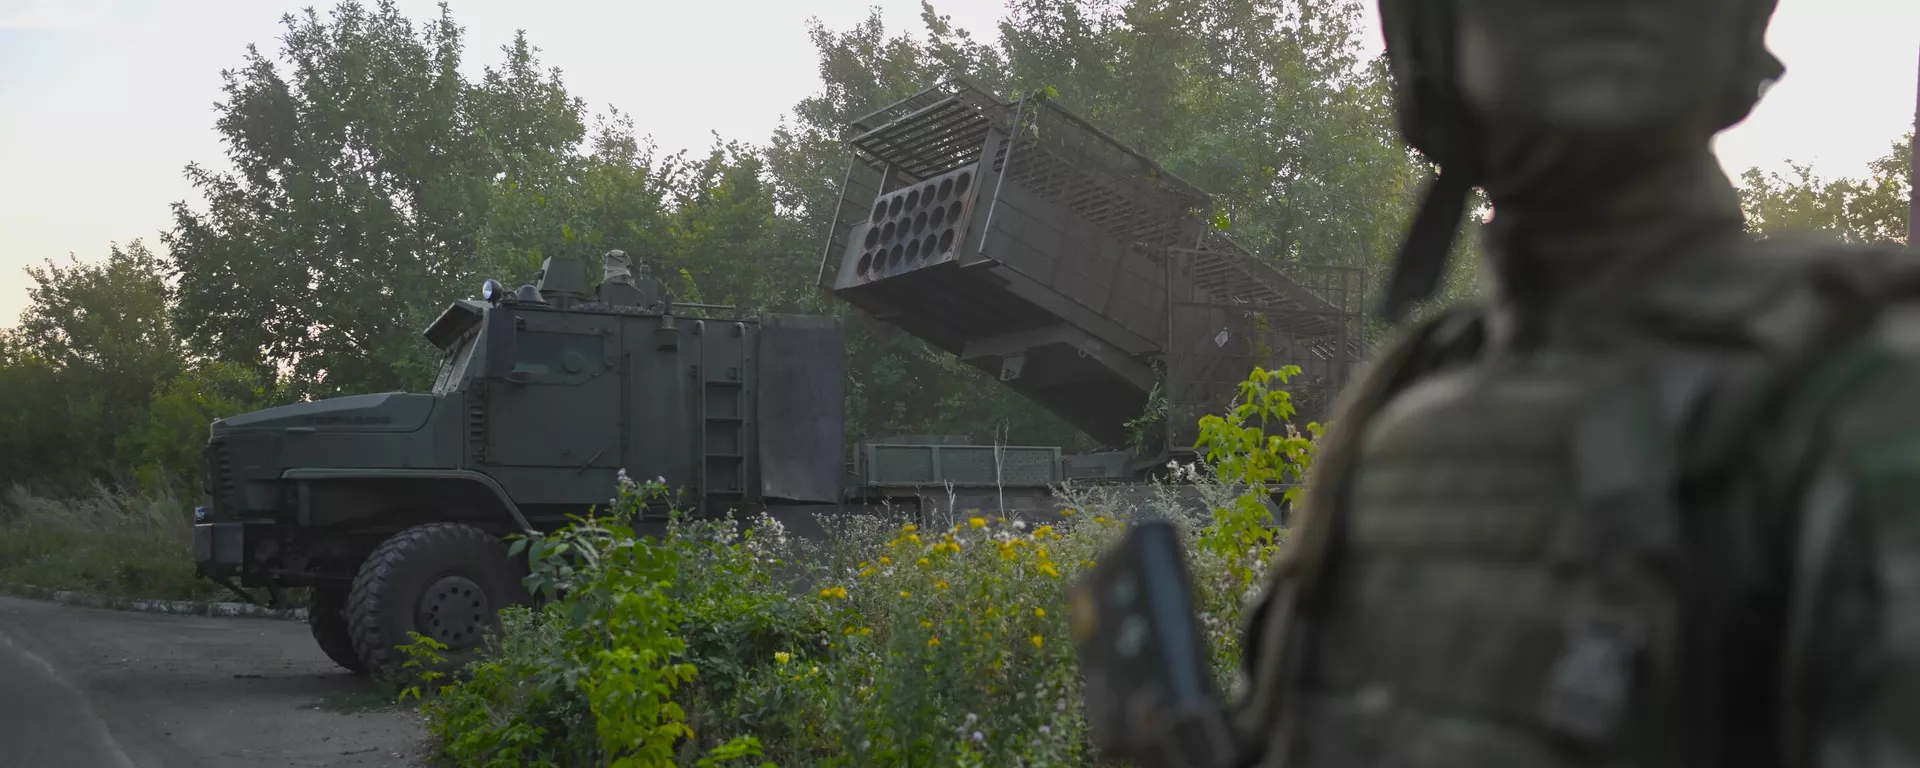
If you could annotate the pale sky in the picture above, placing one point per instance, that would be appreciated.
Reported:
(104, 102)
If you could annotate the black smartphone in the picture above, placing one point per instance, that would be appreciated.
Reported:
(1149, 697)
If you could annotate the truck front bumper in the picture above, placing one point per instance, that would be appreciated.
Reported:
(221, 549)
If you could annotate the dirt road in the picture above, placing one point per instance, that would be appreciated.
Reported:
(81, 687)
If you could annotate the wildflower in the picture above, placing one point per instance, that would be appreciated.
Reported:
(922, 562)
(941, 584)
(1038, 641)
(1040, 612)
(1045, 731)
(979, 738)
(782, 657)
(1019, 525)
(1049, 571)
(909, 528)
(884, 560)
(972, 718)
(933, 642)
(925, 624)
(905, 594)
(977, 522)
(1067, 512)
(834, 593)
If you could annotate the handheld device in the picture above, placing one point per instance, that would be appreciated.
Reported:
(1149, 697)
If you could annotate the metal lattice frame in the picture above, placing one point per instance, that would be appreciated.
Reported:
(1093, 235)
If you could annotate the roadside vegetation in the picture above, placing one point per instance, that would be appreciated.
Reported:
(907, 645)
(104, 542)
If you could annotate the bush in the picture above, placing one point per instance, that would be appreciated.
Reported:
(103, 542)
(907, 646)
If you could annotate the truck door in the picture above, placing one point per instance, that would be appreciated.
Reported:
(554, 426)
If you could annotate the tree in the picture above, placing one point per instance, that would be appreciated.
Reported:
(1869, 210)
(362, 179)
(92, 346)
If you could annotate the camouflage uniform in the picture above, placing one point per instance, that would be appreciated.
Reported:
(1655, 503)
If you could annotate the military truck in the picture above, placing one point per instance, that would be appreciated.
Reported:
(391, 507)
(1057, 261)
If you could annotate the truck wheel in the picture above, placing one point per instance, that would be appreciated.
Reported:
(327, 617)
(446, 581)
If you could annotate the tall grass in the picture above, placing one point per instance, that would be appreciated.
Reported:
(103, 542)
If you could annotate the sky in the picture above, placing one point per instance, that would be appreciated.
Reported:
(104, 102)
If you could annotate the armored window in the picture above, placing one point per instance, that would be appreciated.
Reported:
(453, 370)
(544, 353)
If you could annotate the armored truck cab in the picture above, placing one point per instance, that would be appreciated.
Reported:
(391, 507)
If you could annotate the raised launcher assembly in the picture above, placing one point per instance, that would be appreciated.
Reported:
(1038, 249)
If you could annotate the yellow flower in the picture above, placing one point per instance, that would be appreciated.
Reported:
(884, 560)
(1040, 612)
(922, 561)
(941, 584)
(1066, 513)
(905, 594)
(925, 624)
(977, 522)
(1038, 641)
(834, 592)
(913, 537)
(909, 527)
(1048, 570)
(782, 657)
(933, 642)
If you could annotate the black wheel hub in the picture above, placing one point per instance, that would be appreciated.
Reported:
(453, 611)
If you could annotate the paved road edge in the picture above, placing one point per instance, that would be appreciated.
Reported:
(178, 607)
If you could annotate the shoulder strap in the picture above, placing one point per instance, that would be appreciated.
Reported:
(1272, 654)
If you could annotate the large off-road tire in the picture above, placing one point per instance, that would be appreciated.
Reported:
(446, 581)
(327, 617)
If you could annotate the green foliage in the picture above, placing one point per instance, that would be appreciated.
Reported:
(905, 646)
(364, 166)
(100, 542)
(1254, 447)
(1869, 210)
(93, 346)
(164, 448)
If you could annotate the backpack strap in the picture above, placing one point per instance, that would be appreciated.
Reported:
(1273, 653)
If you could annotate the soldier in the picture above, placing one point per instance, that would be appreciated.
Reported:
(1657, 502)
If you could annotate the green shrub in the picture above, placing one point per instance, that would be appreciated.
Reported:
(906, 646)
(103, 542)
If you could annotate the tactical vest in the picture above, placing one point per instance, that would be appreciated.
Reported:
(1578, 556)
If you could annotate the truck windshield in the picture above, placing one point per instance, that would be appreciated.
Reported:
(453, 369)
